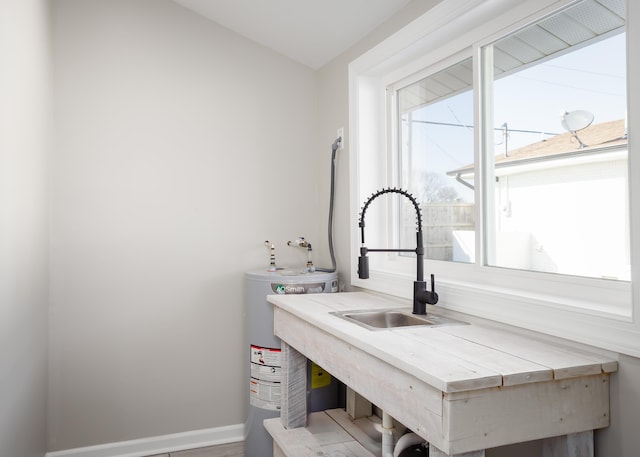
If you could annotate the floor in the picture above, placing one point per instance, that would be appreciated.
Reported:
(223, 450)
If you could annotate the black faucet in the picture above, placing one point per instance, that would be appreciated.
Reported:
(421, 296)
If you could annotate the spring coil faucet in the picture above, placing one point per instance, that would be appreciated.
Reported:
(421, 296)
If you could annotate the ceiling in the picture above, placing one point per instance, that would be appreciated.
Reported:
(310, 32)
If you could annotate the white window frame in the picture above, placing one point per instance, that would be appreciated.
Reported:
(597, 312)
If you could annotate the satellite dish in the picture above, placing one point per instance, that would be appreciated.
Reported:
(575, 121)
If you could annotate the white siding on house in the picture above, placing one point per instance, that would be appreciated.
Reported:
(575, 218)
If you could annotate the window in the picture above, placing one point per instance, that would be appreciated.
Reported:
(435, 131)
(508, 121)
(557, 151)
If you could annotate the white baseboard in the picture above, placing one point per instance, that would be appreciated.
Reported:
(159, 444)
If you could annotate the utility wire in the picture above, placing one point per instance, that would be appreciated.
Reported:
(584, 89)
(448, 124)
(587, 72)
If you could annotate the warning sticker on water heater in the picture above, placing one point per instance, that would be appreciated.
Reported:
(266, 375)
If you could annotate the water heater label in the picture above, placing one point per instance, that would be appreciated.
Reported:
(319, 377)
(291, 289)
(266, 375)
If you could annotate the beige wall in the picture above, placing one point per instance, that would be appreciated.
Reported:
(622, 437)
(180, 147)
(333, 98)
(25, 109)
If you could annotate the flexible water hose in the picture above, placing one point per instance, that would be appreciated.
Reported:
(334, 148)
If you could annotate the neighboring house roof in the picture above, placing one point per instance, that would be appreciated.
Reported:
(597, 138)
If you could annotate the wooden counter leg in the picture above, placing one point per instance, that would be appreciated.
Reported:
(573, 445)
(435, 452)
(277, 452)
(293, 401)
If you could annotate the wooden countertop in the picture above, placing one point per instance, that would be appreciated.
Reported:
(450, 358)
(462, 387)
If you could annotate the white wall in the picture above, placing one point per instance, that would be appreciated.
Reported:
(25, 109)
(179, 148)
(160, 115)
(621, 439)
(333, 98)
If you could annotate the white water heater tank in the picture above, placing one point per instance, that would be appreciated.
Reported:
(263, 347)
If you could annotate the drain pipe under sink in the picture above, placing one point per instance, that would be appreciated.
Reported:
(387, 435)
(391, 449)
(406, 441)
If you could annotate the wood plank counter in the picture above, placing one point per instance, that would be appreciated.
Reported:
(463, 388)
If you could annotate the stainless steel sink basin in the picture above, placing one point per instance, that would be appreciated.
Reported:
(393, 318)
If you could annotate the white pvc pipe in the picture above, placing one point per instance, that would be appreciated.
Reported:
(387, 435)
(387, 420)
(406, 441)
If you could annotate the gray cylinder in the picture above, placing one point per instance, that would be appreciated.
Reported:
(264, 368)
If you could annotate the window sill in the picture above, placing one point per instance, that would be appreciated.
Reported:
(595, 324)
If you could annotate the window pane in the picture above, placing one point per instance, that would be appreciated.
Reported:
(560, 145)
(435, 138)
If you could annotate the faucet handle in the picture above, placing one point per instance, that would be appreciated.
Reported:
(422, 296)
(432, 297)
